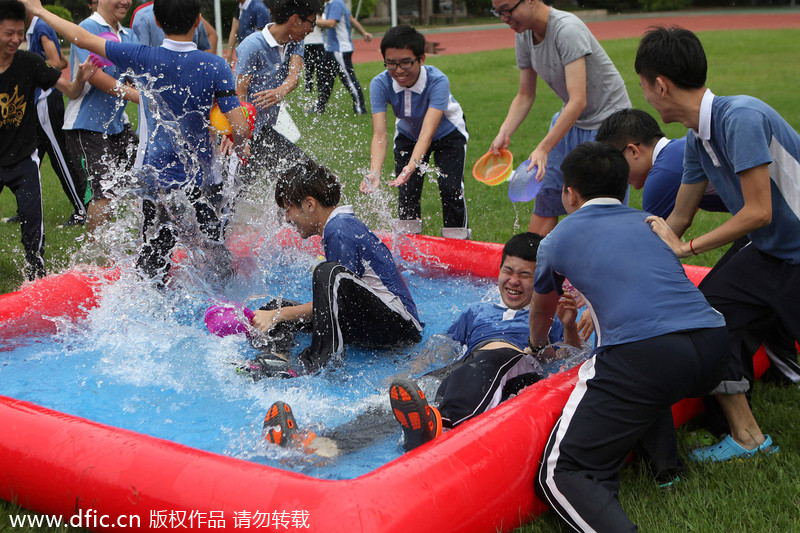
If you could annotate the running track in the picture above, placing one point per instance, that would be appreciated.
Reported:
(613, 27)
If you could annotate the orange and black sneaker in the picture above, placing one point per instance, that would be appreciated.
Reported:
(420, 421)
(279, 424)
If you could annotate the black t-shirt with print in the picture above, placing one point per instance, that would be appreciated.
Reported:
(17, 105)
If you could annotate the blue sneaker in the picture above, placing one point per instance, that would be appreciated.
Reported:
(728, 449)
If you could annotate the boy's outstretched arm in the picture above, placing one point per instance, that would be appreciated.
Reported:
(232, 41)
(377, 154)
(74, 89)
(687, 201)
(271, 97)
(82, 38)
(543, 309)
(357, 25)
(517, 111)
(266, 320)
(239, 126)
(51, 52)
(429, 125)
(213, 38)
(756, 213)
(72, 33)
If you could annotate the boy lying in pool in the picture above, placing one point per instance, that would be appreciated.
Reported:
(493, 367)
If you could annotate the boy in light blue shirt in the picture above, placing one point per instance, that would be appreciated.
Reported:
(428, 120)
(338, 60)
(147, 30)
(658, 339)
(751, 155)
(98, 133)
(268, 68)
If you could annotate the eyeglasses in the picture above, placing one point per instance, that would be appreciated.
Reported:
(404, 64)
(312, 22)
(505, 13)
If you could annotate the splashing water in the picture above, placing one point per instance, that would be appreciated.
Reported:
(143, 360)
(148, 364)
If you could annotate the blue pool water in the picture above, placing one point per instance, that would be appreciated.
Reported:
(143, 360)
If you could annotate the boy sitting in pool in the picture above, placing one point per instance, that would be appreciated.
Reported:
(178, 154)
(359, 295)
(493, 368)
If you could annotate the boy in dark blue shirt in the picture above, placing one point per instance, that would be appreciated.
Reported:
(358, 293)
(43, 40)
(658, 339)
(492, 368)
(181, 85)
(656, 163)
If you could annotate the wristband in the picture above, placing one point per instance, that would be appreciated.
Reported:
(692, 247)
(536, 349)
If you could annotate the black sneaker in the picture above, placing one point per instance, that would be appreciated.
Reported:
(420, 422)
(267, 366)
(75, 219)
(279, 424)
(16, 219)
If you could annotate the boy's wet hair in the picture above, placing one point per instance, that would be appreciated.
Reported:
(674, 53)
(596, 170)
(523, 245)
(12, 10)
(629, 126)
(283, 10)
(176, 17)
(307, 179)
(403, 36)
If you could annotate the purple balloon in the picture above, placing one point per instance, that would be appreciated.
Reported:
(102, 61)
(223, 321)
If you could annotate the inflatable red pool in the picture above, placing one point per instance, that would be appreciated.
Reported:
(474, 478)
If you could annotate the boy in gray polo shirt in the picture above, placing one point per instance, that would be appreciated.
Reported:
(557, 46)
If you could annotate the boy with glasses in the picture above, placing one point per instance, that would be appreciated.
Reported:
(557, 46)
(268, 68)
(428, 121)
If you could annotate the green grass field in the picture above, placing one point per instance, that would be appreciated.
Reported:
(760, 495)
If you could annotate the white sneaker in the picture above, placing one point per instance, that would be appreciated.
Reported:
(407, 226)
(457, 233)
